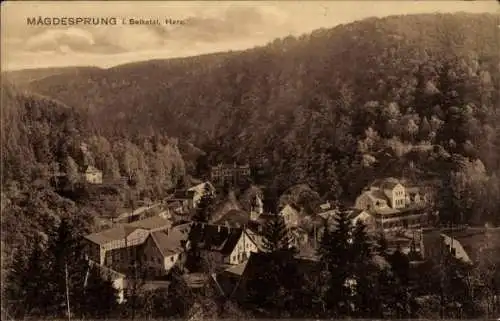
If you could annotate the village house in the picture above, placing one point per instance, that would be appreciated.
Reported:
(252, 200)
(184, 200)
(118, 247)
(92, 175)
(470, 245)
(233, 174)
(140, 213)
(290, 215)
(393, 205)
(163, 250)
(222, 245)
(199, 191)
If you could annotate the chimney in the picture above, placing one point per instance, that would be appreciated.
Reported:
(218, 228)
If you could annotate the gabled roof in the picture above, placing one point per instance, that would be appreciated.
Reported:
(90, 169)
(249, 196)
(151, 223)
(122, 231)
(289, 209)
(215, 238)
(234, 218)
(112, 234)
(200, 188)
(169, 243)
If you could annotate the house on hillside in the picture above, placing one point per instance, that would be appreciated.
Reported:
(252, 200)
(236, 281)
(118, 247)
(394, 206)
(140, 213)
(198, 191)
(290, 215)
(92, 175)
(222, 245)
(223, 207)
(233, 174)
(469, 245)
(163, 250)
(234, 218)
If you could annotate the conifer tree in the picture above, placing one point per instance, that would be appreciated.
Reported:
(25, 283)
(276, 236)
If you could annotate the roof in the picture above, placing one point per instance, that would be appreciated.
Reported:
(325, 206)
(151, 223)
(377, 195)
(226, 205)
(352, 214)
(137, 211)
(109, 235)
(328, 214)
(123, 230)
(246, 199)
(182, 194)
(234, 218)
(200, 188)
(238, 269)
(389, 185)
(289, 209)
(459, 250)
(91, 168)
(169, 243)
(215, 238)
(474, 240)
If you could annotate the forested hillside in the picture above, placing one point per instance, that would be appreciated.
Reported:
(408, 96)
(44, 140)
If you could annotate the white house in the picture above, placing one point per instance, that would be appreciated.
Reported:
(163, 250)
(93, 175)
(222, 245)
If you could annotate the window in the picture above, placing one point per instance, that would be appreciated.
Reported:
(171, 259)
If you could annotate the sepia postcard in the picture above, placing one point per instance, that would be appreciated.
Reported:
(197, 160)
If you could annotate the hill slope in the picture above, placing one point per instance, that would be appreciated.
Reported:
(393, 96)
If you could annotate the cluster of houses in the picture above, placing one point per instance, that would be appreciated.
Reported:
(149, 246)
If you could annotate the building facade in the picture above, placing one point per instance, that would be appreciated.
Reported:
(394, 206)
(233, 174)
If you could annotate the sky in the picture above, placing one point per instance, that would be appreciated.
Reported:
(209, 26)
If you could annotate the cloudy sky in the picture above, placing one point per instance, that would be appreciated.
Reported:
(209, 27)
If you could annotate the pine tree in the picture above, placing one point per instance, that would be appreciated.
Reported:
(25, 283)
(276, 236)
(100, 297)
(65, 253)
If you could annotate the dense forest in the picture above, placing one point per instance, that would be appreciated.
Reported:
(406, 96)
(43, 140)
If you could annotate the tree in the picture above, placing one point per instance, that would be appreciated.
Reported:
(72, 172)
(335, 251)
(25, 283)
(205, 207)
(276, 236)
(99, 297)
